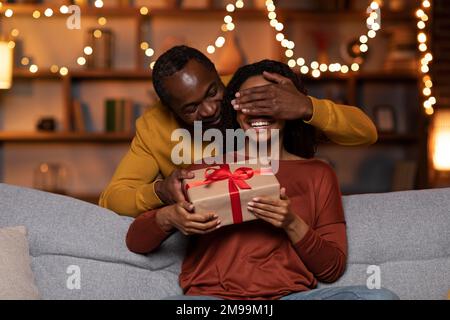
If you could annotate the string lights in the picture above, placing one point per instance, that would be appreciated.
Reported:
(26, 61)
(315, 68)
(228, 25)
(426, 56)
(145, 46)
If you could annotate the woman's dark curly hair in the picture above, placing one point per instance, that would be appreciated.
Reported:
(298, 136)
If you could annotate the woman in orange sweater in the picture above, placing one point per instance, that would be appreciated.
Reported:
(298, 240)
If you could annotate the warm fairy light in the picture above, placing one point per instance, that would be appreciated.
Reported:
(230, 7)
(11, 44)
(54, 68)
(314, 65)
(304, 69)
(144, 11)
(289, 53)
(239, 4)
(210, 49)
(63, 71)
(25, 61)
(34, 68)
(36, 14)
(88, 50)
(355, 67)
(64, 9)
(220, 42)
(364, 47)
(315, 73)
(230, 26)
(15, 32)
(227, 19)
(423, 47)
(9, 13)
(98, 3)
(144, 45)
(301, 61)
(48, 12)
(427, 92)
(152, 65)
(279, 37)
(81, 61)
(98, 33)
(363, 39)
(291, 63)
(422, 37)
(149, 52)
(421, 25)
(279, 26)
(323, 67)
(345, 69)
(101, 21)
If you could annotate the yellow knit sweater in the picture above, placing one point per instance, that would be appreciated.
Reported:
(131, 190)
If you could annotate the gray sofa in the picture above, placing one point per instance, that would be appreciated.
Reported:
(405, 234)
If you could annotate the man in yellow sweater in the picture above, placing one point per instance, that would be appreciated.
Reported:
(190, 89)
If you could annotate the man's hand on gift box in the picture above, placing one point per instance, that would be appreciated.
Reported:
(181, 217)
(170, 189)
(278, 213)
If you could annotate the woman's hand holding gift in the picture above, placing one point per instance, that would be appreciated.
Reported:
(278, 213)
(181, 217)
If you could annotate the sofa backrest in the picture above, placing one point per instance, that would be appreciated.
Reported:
(405, 234)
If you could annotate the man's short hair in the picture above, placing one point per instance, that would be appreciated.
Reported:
(172, 61)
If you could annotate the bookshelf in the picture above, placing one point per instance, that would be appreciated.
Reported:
(351, 83)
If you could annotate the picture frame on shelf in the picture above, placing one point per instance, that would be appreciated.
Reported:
(385, 118)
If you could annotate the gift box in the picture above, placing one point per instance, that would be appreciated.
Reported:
(227, 189)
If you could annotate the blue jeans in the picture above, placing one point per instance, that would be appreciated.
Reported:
(333, 293)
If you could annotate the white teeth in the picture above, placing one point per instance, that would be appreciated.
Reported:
(260, 124)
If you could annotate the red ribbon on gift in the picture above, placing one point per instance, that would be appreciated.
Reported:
(235, 182)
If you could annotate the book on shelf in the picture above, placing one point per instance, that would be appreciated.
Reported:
(121, 115)
(79, 124)
(82, 119)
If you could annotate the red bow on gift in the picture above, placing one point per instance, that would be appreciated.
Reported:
(235, 182)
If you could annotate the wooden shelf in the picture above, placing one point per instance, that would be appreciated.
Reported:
(211, 13)
(64, 137)
(147, 75)
(86, 75)
(364, 76)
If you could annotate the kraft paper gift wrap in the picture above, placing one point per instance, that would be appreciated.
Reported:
(227, 189)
